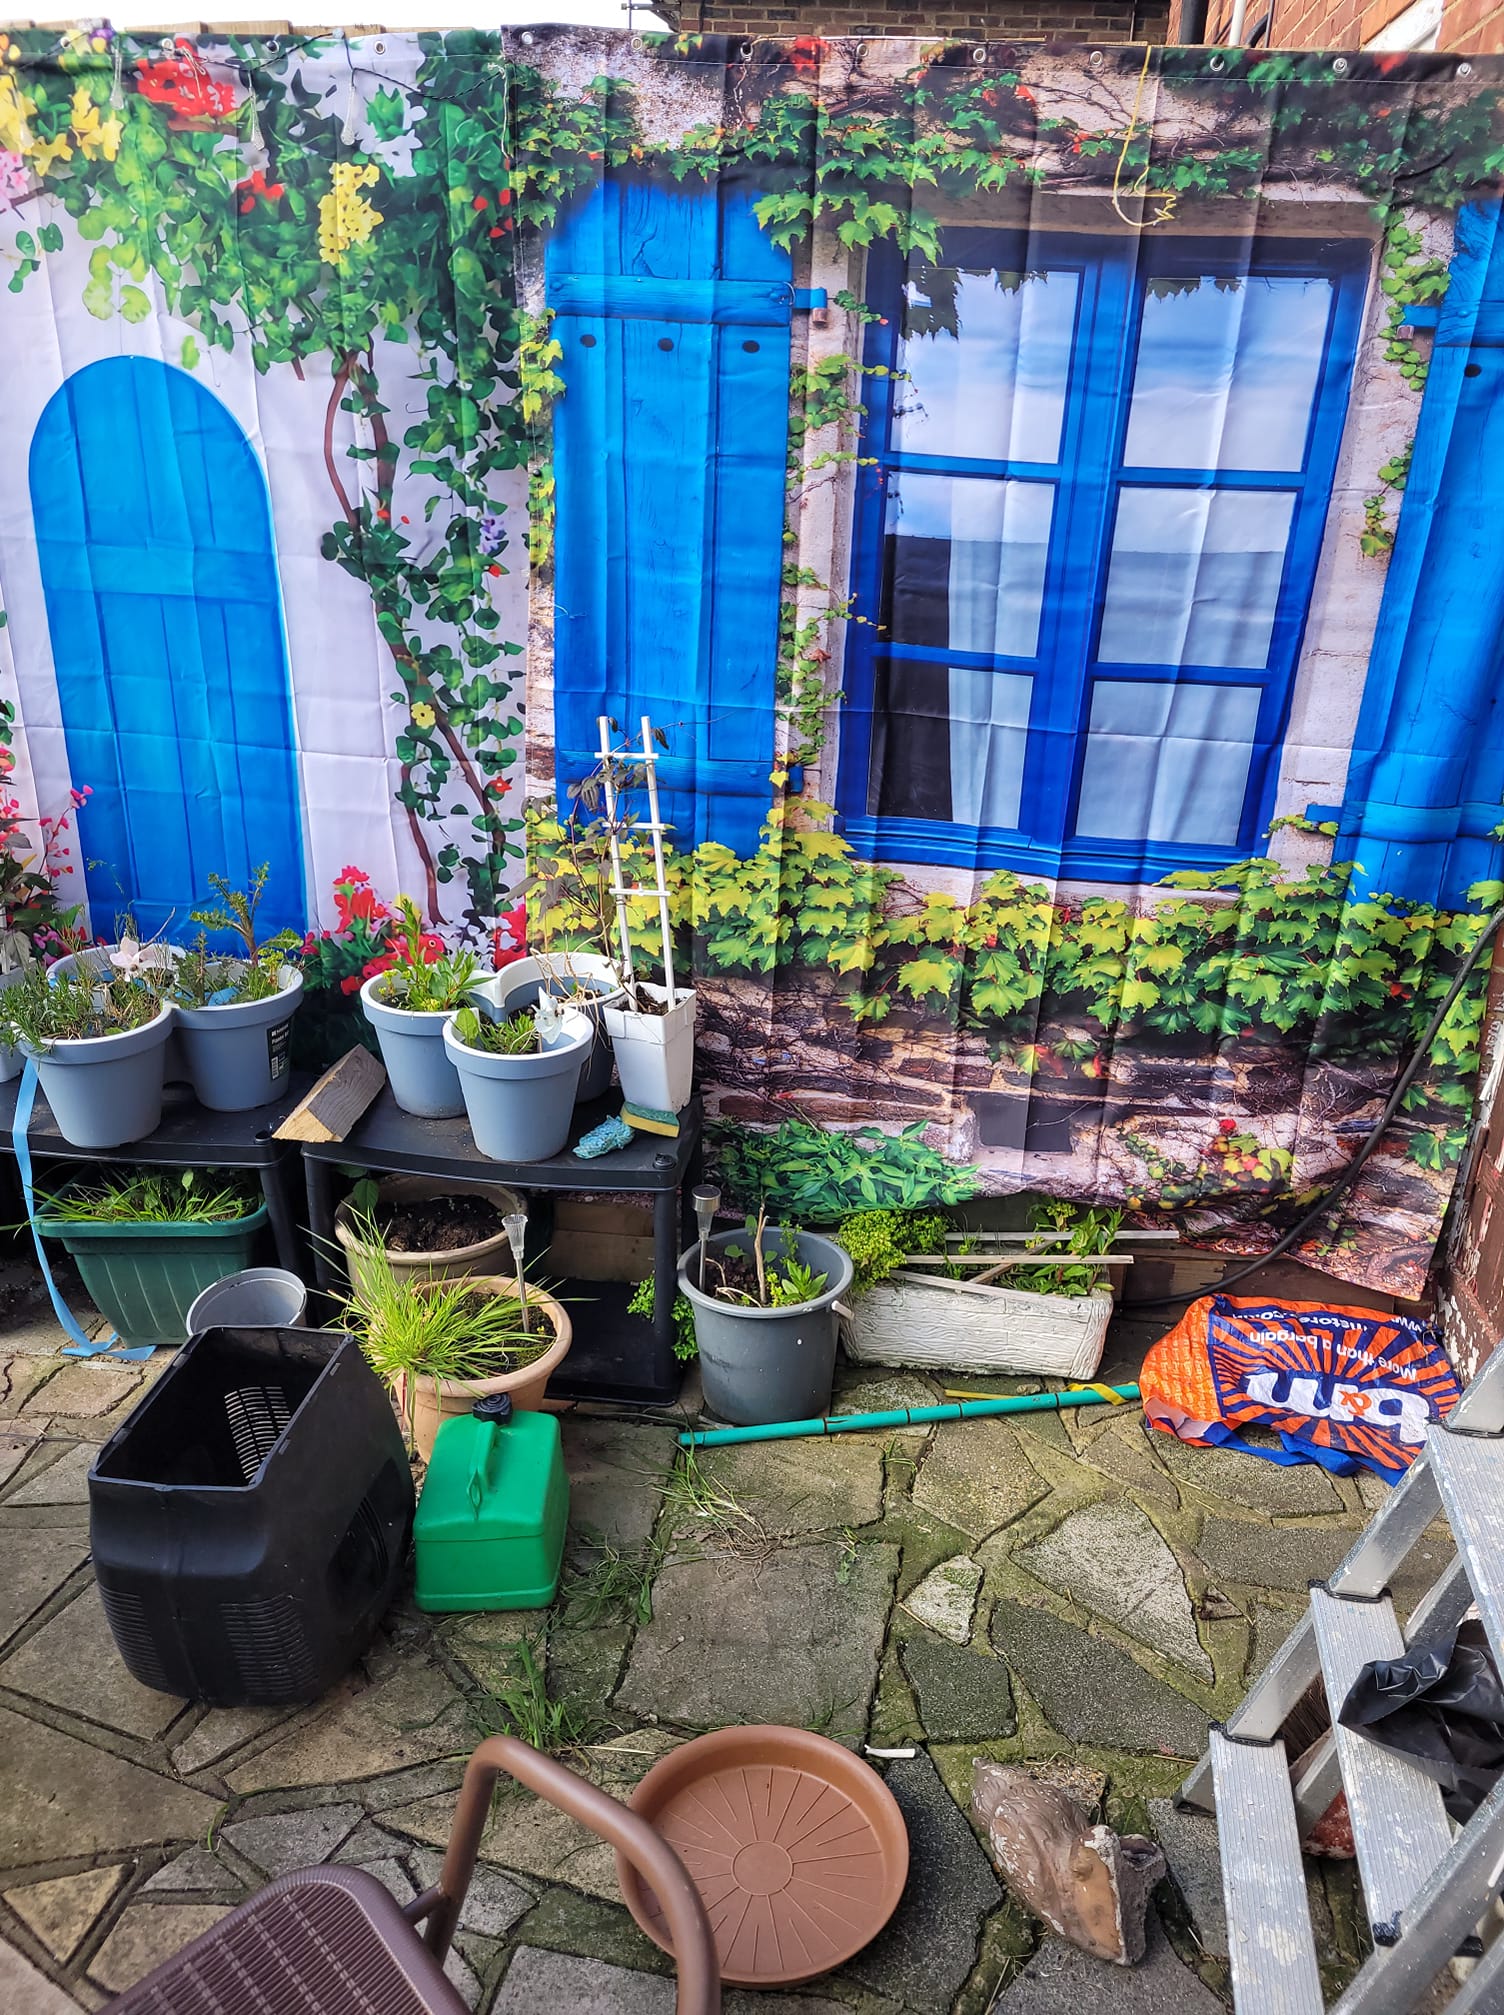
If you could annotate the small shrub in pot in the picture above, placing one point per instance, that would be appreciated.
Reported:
(408, 1002)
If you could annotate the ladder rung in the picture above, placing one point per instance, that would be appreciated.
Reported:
(1263, 1882)
(1483, 1990)
(1400, 1825)
(1470, 1476)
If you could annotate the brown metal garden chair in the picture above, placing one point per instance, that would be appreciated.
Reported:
(333, 1941)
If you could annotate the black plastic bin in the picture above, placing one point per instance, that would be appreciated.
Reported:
(250, 1520)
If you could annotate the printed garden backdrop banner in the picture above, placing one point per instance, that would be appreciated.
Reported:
(1046, 499)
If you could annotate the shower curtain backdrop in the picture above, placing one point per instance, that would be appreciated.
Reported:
(1045, 497)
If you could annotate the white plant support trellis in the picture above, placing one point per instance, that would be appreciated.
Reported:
(611, 758)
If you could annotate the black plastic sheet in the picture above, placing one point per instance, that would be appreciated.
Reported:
(1442, 1705)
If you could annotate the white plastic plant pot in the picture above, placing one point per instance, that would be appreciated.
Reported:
(931, 1326)
(106, 1090)
(520, 1107)
(424, 1082)
(655, 1054)
(239, 1054)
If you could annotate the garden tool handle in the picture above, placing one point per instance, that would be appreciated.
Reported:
(630, 1834)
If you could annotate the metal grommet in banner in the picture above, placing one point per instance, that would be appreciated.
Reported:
(1218, 63)
(1339, 66)
(979, 56)
(1464, 69)
(745, 52)
(1095, 60)
(527, 37)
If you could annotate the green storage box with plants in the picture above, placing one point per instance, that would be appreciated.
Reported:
(148, 1241)
(489, 1533)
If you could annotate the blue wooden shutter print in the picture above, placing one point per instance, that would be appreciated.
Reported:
(155, 541)
(672, 310)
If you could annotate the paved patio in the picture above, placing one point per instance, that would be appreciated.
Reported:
(1065, 1591)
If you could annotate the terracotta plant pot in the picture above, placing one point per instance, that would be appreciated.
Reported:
(481, 1258)
(435, 1401)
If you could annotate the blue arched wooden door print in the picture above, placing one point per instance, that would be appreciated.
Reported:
(672, 311)
(155, 540)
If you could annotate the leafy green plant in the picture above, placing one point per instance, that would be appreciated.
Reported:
(802, 1171)
(752, 1277)
(418, 970)
(516, 1036)
(411, 1328)
(644, 1302)
(1086, 1231)
(878, 1241)
(203, 978)
(40, 1010)
(153, 1196)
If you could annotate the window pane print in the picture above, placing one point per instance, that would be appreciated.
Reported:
(965, 562)
(989, 733)
(1226, 373)
(987, 357)
(1194, 577)
(950, 744)
(1167, 762)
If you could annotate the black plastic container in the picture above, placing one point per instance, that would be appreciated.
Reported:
(249, 1522)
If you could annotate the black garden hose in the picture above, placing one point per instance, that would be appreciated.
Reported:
(1413, 1067)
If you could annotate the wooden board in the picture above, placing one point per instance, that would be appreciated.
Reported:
(337, 1101)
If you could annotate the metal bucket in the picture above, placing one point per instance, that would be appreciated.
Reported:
(263, 1297)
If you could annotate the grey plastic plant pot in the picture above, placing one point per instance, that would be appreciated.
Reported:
(522, 991)
(762, 1365)
(240, 1055)
(106, 1090)
(520, 1107)
(259, 1297)
(12, 1063)
(96, 958)
(424, 1082)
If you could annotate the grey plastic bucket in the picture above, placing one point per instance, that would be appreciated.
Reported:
(263, 1297)
(240, 1056)
(595, 1078)
(424, 1082)
(761, 1365)
(520, 1107)
(106, 1090)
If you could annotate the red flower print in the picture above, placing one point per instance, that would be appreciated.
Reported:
(805, 55)
(481, 203)
(271, 193)
(1022, 92)
(499, 785)
(184, 85)
(1227, 1126)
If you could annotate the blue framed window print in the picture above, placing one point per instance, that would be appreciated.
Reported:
(1095, 475)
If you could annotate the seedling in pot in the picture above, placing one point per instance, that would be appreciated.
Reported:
(424, 977)
(783, 1281)
(204, 978)
(516, 1036)
(74, 1007)
(152, 1196)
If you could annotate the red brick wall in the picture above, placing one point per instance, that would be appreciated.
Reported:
(1471, 27)
(989, 21)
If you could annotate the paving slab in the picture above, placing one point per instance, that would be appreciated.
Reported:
(60, 1912)
(26, 1990)
(492, 1905)
(60, 1798)
(962, 1695)
(37, 1560)
(614, 1470)
(1060, 1980)
(563, 1920)
(1189, 1840)
(946, 1599)
(929, 1947)
(65, 1481)
(1270, 1629)
(1091, 1691)
(1125, 1451)
(1110, 1558)
(538, 1979)
(976, 1477)
(72, 1662)
(14, 1449)
(1271, 1556)
(147, 1934)
(412, 1717)
(793, 1636)
(1301, 1490)
(793, 1487)
(83, 1390)
(281, 1841)
(196, 1873)
(223, 1730)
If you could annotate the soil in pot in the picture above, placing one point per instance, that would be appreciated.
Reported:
(436, 1223)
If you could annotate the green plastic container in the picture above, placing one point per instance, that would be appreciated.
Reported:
(144, 1278)
(489, 1533)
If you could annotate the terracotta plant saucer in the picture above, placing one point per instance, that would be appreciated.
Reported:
(797, 1847)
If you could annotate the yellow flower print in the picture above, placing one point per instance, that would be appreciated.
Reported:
(15, 110)
(423, 715)
(345, 217)
(98, 138)
(59, 148)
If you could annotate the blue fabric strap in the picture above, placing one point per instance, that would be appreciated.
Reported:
(81, 1346)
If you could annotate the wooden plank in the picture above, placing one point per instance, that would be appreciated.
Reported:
(337, 1101)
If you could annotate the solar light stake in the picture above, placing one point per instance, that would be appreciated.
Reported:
(514, 1224)
(707, 1201)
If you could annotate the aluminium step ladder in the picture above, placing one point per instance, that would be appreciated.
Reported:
(1427, 1884)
